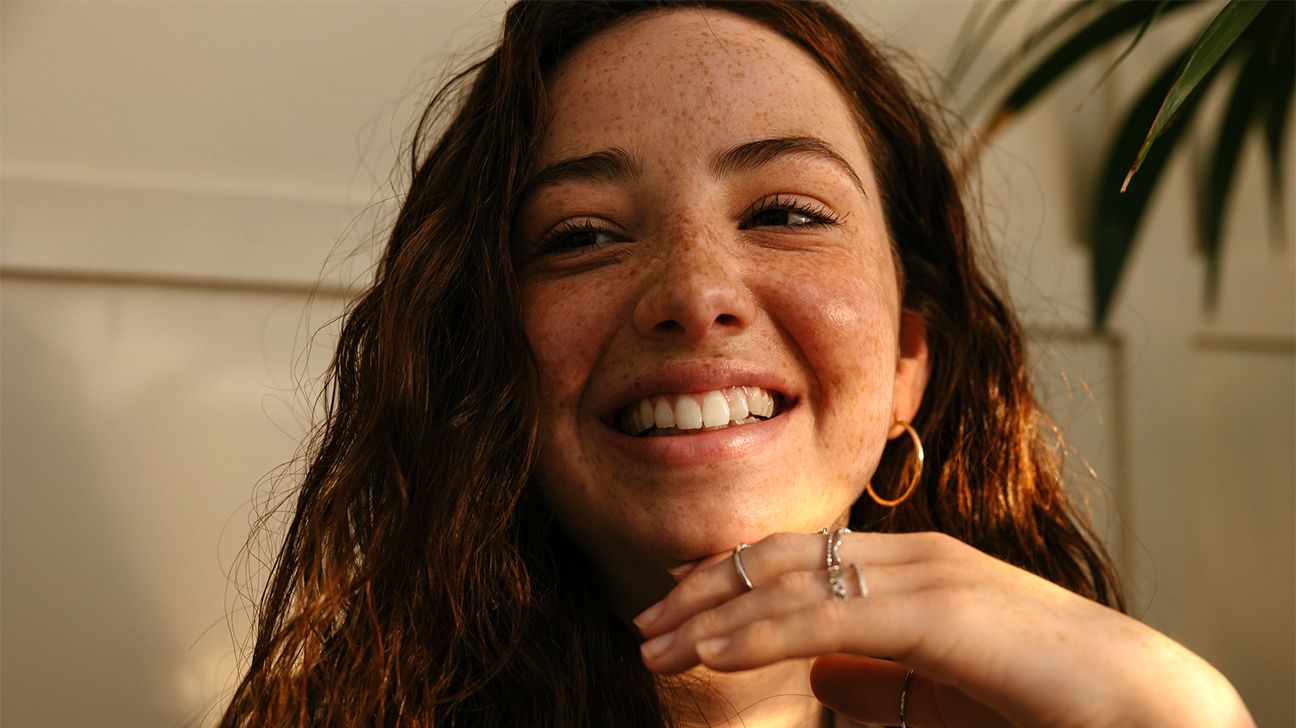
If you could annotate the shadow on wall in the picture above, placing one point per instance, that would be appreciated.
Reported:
(84, 643)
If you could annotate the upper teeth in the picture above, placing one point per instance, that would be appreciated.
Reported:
(717, 408)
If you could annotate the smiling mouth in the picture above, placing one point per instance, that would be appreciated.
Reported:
(682, 414)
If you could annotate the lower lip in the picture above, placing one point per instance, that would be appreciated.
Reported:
(699, 447)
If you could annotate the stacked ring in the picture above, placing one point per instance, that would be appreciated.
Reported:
(833, 556)
(738, 565)
(836, 582)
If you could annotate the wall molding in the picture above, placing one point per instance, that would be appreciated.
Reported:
(193, 283)
(124, 227)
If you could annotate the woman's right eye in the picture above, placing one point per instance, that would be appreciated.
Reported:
(574, 235)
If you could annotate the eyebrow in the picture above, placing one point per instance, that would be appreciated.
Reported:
(609, 165)
(757, 154)
(616, 164)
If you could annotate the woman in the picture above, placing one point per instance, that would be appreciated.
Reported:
(671, 281)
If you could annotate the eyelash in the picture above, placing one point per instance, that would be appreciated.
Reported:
(555, 241)
(558, 240)
(819, 214)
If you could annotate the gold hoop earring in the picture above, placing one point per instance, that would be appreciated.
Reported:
(913, 480)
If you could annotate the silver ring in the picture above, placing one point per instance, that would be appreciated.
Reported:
(738, 565)
(837, 583)
(834, 548)
(859, 577)
(904, 691)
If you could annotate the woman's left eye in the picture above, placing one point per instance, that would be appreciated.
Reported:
(784, 212)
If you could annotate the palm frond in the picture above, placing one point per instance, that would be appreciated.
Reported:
(1282, 61)
(1142, 31)
(1203, 59)
(1245, 109)
(1117, 214)
(1114, 22)
(972, 35)
(1040, 36)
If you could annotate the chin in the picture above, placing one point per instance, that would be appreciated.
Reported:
(717, 525)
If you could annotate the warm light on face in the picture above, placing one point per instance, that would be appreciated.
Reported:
(704, 239)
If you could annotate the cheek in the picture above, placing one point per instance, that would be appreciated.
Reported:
(843, 320)
(554, 330)
(567, 325)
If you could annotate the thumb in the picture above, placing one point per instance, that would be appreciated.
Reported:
(864, 689)
(868, 690)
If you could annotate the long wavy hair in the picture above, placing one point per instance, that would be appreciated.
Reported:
(421, 580)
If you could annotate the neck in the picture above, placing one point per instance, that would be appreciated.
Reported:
(776, 696)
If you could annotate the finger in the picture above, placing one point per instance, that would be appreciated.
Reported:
(682, 571)
(868, 690)
(791, 591)
(709, 585)
(881, 625)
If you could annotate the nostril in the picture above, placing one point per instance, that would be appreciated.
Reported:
(693, 306)
(670, 325)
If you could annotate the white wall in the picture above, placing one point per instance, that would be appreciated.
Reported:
(175, 178)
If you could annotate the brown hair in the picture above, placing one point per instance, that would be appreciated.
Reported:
(421, 581)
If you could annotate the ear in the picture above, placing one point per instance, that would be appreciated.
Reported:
(912, 369)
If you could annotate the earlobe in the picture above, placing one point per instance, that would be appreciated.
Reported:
(912, 369)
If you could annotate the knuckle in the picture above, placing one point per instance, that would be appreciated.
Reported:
(941, 545)
(792, 582)
(934, 540)
(701, 626)
(762, 632)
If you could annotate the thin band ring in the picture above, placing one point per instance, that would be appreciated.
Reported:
(859, 577)
(904, 691)
(738, 565)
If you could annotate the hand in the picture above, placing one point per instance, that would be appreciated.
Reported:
(991, 644)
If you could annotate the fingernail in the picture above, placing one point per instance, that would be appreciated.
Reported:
(681, 571)
(708, 649)
(650, 615)
(657, 645)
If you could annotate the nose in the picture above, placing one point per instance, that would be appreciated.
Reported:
(696, 293)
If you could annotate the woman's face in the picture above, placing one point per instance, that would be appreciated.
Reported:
(705, 237)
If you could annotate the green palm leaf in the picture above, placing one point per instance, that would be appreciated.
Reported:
(1118, 213)
(972, 37)
(1282, 84)
(1111, 24)
(1203, 58)
(1259, 34)
(1061, 20)
(1147, 23)
(1246, 107)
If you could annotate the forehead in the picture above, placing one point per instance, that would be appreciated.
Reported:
(699, 80)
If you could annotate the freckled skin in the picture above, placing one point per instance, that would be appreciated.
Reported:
(819, 306)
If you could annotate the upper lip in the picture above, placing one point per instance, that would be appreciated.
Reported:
(693, 377)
